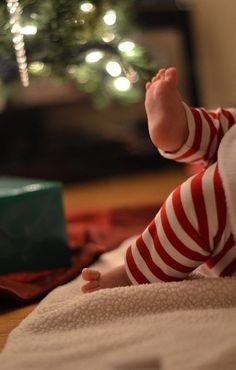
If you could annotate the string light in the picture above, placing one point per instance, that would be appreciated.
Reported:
(122, 84)
(29, 29)
(108, 37)
(113, 68)
(36, 67)
(110, 17)
(94, 56)
(126, 46)
(131, 75)
(87, 7)
(18, 40)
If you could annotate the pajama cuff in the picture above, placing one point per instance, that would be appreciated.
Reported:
(189, 142)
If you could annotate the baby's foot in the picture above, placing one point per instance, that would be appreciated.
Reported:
(97, 280)
(167, 121)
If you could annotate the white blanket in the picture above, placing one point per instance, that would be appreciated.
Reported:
(170, 326)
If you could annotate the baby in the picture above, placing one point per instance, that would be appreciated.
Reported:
(193, 226)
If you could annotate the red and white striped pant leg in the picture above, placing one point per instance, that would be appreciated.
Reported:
(191, 226)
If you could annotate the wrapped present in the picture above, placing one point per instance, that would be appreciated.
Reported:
(32, 225)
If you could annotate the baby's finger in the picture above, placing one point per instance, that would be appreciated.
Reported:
(148, 84)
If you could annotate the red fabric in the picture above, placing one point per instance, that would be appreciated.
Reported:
(90, 234)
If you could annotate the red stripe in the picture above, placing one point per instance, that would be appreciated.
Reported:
(229, 117)
(178, 244)
(213, 114)
(197, 161)
(219, 130)
(168, 260)
(213, 260)
(138, 276)
(187, 154)
(199, 206)
(187, 226)
(220, 134)
(213, 134)
(197, 138)
(220, 205)
(145, 253)
(230, 269)
(198, 131)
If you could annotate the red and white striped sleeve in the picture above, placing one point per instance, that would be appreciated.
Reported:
(191, 227)
(206, 129)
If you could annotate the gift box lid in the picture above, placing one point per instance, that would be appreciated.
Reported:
(10, 186)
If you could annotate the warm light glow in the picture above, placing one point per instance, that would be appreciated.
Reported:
(113, 68)
(19, 45)
(23, 66)
(132, 75)
(87, 7)
(94, 56)
(12, 9)
(79, 73)
(110, 17)
(36, 67)
(72, 69)
(16, 28)
(29, 30)
(122, 84)
(18, 40)
(126, 46)
(22, 59)
(108, 37)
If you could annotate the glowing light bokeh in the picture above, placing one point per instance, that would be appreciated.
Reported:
(94, 56)
(113, 68)
(122, 84)
(110, 17)
(18, 40)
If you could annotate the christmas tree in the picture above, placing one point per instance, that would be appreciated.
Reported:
(88, 43)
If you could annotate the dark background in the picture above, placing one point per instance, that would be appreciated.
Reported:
(71, 141)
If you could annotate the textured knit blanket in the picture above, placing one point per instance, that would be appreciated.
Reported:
(170, 326)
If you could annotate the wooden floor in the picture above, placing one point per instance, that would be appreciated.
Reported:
(120, 191)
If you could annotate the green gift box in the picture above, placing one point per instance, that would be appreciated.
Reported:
(32, 225)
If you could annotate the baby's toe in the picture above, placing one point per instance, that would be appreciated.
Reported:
(171, 75)
(91, 286)
(161, 72)
(90, 274)
(159, 76)
(148, 84)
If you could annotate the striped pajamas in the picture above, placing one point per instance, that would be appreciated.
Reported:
(192, 227)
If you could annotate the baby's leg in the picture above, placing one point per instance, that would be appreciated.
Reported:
(167, 121)
(191, 228)
(111, 279)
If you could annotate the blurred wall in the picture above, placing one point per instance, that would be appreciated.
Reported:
(214, 28)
